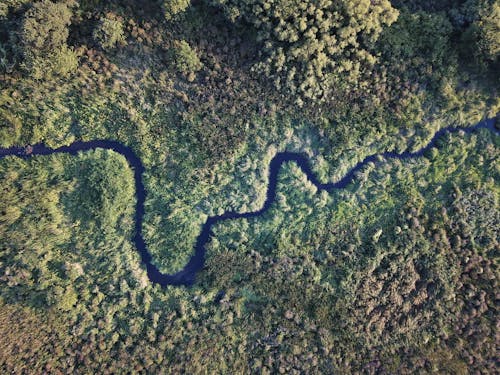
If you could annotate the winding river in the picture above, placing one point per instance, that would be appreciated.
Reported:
(195, 264)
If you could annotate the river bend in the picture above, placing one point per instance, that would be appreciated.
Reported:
(187, 275)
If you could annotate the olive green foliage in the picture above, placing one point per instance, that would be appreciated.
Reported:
(482, 38)
(42, 230)
(173, 8)
(109, 33)
(11, 5)
(185, 58)
(311, 45)
(61, 62)
(380, 266)
(92, 192)
(395, 274)
(105, 185)
(45, 26)
(43, 38)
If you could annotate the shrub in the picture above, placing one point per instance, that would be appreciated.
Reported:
(308, 44)
(109, 32)
(185, 58)
(45, 27)
(61, 62)
(105, 189)
(482, 39)
(43, 37)
(174, 7)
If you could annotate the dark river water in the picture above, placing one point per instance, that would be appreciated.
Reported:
(187, 275)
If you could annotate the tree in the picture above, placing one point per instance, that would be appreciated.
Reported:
(43, 37)
(185, 58)
(10, 5)
(174, 7)
(61, 61)
(482, 38)
(309, 45)
(109, 32)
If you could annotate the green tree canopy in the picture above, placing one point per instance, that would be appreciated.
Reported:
(185, 58)
(109, 31)
(9, 5)
(485, 34)
(309, 45)
(43, 37)
(45, 26)
(174, 7)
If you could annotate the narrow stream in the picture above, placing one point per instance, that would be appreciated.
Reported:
(187, 275)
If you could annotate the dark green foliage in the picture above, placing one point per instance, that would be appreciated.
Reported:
(417, 52)
(476, 28)
(482, 38)
(421, 36)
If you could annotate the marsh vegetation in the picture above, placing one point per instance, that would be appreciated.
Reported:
(396, 273)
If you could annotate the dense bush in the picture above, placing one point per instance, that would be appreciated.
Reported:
(109, 32)
(482, 37)
(45, 26)
(43, 38)
(185, 58)
(61, 61)
(417, 48)
(172, 8)
(474, 22)
(105, 187)
(9, 5)
(309, 46)
(395, 274)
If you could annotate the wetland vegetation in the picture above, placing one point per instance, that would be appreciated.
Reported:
(396, 273)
